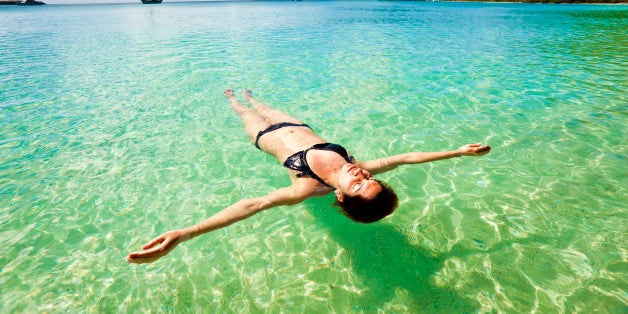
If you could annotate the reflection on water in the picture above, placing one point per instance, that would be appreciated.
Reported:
(113, 134)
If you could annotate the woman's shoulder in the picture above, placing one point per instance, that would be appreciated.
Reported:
(307, 187)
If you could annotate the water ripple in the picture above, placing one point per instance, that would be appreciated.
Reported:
(113, 134)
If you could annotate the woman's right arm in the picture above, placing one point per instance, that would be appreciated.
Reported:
(385, 164)
(242, 209)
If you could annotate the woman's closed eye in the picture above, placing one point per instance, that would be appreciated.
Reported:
(357, 186)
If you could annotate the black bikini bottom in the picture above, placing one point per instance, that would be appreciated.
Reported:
(275, 127)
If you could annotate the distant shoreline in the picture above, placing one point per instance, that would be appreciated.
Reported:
(543, 1)
(21, 2)
(622, 2)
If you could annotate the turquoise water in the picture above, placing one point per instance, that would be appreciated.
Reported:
(114, 129)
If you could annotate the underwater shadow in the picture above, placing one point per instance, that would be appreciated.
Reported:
(385, 261)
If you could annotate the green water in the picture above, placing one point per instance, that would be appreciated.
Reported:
(114, 129)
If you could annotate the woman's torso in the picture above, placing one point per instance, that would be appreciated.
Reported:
(285, 142)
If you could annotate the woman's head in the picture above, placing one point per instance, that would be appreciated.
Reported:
(368, 210)
(355, 181)
(362, 198)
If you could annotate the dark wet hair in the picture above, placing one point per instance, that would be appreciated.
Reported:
(371, 210)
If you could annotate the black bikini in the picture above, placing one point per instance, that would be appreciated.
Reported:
(275, 127)
(298, 161)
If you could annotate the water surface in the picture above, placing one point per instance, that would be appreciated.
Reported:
(113, 129)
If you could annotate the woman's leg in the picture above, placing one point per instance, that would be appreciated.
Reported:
(253, 122)
(273, 116)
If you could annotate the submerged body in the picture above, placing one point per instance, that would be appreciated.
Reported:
(316, 168)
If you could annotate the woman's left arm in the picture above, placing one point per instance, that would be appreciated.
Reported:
(389, 163)
(240, 210)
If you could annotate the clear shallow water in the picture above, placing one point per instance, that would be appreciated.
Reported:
(113, 129)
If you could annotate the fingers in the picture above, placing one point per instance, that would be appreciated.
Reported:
(484, 149)
(148, 255)
(135, 259)
(477, 145)
(475, 149)
(150, 252)
(153, 242)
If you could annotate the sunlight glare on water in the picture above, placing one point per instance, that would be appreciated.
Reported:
(114, 129)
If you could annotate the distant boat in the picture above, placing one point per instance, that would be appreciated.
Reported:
(151, 1)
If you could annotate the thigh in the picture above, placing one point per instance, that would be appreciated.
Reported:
(275, 116)
(253, 124)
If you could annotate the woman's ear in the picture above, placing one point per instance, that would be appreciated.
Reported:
(339, 196)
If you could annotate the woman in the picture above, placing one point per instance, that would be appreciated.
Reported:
(315, 167)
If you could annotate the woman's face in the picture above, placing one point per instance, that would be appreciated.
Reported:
(355, 181)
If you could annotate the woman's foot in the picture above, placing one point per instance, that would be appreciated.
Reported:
(229, 93)
(235, 104)
(248, 95)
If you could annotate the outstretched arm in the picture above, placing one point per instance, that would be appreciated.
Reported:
(242, 209)
(389, 163)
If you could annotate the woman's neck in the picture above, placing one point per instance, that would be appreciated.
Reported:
(326, 165)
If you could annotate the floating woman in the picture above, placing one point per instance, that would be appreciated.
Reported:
(316, 168)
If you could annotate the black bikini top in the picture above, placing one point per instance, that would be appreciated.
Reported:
(298, 160)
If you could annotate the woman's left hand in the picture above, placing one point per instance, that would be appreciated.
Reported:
(157, 248)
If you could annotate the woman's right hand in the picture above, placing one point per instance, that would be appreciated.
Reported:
(157, 248)
(476, 149)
